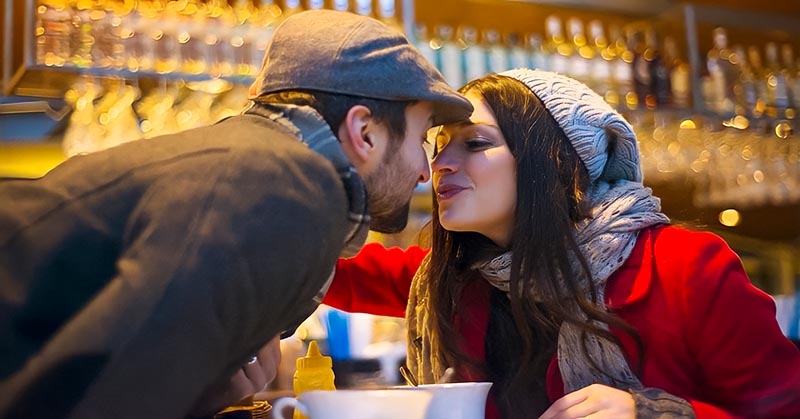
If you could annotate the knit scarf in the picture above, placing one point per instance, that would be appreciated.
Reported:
(606, 239)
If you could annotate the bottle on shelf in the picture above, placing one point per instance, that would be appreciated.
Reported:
(497, 53)
(449, 59)
(538, 58)
(622, 95)
(192, 27)
(660, 84)
(423, 42)
(519, 55)
(82, 39)
(600, 65)
(555, 46)
(54, 33)
(581, 57)
(262, 25)
(341, 5)
(721, 74)
(679, 77)
(641, 68)
(777, 86)
(291, 7)
(790, 75)
(760, 76)
(744, 88)
(165, 34)
(474, 53)
(387, 13)
(314, 372)
(315, 4)
(240, 41)
(364, 8)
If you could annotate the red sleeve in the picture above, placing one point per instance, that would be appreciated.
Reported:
(750, 368)
(376, 281)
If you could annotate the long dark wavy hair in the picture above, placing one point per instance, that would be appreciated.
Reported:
(522, 334)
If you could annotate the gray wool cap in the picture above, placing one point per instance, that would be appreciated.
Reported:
(604, 140)
(340, 52)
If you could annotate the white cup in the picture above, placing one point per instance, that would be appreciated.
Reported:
(357, 404)
(456, 400)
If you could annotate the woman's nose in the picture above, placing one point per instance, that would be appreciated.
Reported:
(443, 162)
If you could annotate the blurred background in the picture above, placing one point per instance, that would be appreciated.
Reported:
(712, 88)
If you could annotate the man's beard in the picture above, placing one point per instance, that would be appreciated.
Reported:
(389, 204)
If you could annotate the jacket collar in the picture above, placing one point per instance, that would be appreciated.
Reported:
(310, 128)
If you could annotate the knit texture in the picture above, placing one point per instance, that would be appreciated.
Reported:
(604, 140)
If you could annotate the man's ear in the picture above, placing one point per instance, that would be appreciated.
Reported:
(355, 135)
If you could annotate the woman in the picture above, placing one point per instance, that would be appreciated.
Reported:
(553, 274)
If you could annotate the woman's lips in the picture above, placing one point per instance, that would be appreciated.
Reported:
(448, 191)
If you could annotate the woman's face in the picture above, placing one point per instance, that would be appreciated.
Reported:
(474, 176)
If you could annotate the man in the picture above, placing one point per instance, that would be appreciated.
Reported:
(134, 279)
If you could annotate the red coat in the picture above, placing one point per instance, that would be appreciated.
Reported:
(710, 336)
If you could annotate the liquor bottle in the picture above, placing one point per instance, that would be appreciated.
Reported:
(790, 75)
(497, 53)
(260, 30)
(721, 72)
(519, 56)
(641, 67)
(760, 81)
(678, 74)
(193, 31)
(449, 59)
(538, 59)
(341, 5)
(777, 87)
(240, 41)
(600, 66)
(745, 85)
(53, 33)
(582, 55)
(291, 7)
(81, 34)
(165, 37)
(364, 7)
(387, 13)
(660, 84)
(425, 44)
(555, 46)
(623, 94)
(475, 60)
(315, 4)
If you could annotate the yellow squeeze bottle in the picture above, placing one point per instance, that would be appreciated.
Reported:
(314, 372)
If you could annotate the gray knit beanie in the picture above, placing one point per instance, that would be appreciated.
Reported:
(604, 140)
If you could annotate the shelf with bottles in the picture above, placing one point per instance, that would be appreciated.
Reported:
(173, 39)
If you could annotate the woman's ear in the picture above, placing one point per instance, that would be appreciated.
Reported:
(354, 134)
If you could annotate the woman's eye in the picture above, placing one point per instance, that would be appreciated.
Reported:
(473, 143)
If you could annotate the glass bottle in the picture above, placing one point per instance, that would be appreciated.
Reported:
(721, 73)
(387, 13)
(497, 53)
(678, 74)
(519, 56)
(745, 85)
(760, 75)
(474, 54)
(555, 46)
(449, 57)
(623, 95)
(341, 5)
(538, 59)
(291, 7)
(600, 66)
(777, 87)
(192, 28)
(790, 75)
(165, 37)
(81, 40)
(53, 33)
(260, 31)
(582, 55)
(425, 44)
(364, 7)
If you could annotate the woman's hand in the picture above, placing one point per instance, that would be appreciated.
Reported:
(247, 381)
(596, 401)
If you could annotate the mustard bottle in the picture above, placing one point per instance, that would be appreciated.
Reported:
(314, 372)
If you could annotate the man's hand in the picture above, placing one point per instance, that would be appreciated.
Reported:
(247, 381)
(596, 401)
